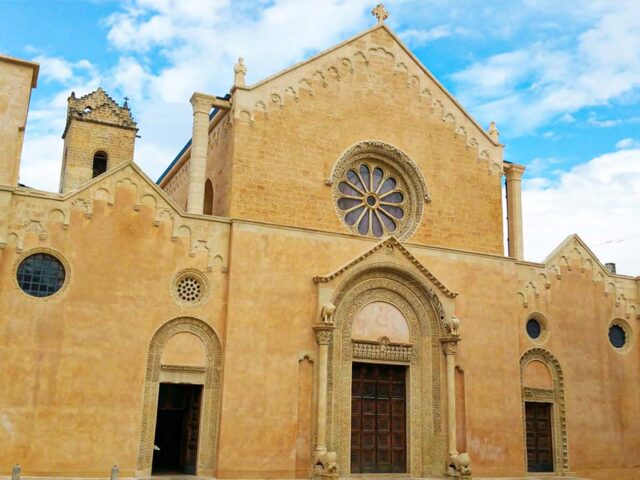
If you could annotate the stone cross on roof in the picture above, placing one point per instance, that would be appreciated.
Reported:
(380, 13)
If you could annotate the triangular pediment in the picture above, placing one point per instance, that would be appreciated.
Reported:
(382, 252)
(357, 53)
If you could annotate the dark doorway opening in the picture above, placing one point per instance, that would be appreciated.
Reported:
(378, 419)
(539, 438)
(177, 426)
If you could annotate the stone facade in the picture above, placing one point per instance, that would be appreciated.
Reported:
(256, 303)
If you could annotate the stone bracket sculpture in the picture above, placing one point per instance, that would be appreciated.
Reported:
(459, 466)
(325, 465)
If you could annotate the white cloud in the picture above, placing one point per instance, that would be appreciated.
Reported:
(597, 200)
(419, 37)
(170, 48)
(550, 79)
(626, 143)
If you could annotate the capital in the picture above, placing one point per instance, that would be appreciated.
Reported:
(513, 171)
(201, 103)
(323, 333)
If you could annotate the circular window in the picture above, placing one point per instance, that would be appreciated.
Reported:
(40, 275)
(190, 288)
(378, 191)
(617, 336)
(534, 329)
(372, 200)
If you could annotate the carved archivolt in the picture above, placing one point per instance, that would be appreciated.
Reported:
(426, 441)
(398, 165)
(207, 446)
(554, 396)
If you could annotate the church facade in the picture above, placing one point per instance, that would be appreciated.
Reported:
(316, 287)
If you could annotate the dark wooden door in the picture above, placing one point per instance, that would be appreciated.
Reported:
(177, 425)
(539, 438)
(191, 428)
(378, 419)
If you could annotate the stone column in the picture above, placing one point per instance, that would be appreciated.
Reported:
(449, 346)
(198, 160)
(514, 173)
(324, 333)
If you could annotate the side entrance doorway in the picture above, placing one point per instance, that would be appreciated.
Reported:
(378, 419)
(539, 437)
(177, 428)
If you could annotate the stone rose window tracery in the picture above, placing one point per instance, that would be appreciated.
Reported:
(378, 190)
(372, 200)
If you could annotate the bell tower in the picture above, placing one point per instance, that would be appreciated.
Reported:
(99, 135)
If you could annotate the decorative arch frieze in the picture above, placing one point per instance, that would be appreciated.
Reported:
(337, 64)
(555, 396)
(207, 446)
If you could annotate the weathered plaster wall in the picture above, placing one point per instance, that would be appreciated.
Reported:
(17, 77)
(74, 363)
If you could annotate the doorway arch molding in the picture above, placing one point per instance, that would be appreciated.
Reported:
(555, 396)
(398, 285)
(210, 407)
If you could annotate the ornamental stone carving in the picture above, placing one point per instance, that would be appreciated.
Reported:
(378, 190)
(326, 314)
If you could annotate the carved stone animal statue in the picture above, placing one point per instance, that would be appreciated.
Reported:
(327, 463)
(459, 466)
(326, 314)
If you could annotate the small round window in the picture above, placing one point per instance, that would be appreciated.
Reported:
(534, 329)
(617, 336)
(41, 275)
(190, 288)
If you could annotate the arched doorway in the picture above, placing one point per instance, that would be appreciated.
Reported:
(544, 414)
(182, 385)
(398, 353)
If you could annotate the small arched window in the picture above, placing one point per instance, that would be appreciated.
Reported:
(207, 207)
(99, 163)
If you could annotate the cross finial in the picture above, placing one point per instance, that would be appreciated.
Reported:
(126, 102)
(380, 13)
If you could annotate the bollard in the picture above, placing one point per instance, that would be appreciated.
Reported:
(15, 473)
(115, 473)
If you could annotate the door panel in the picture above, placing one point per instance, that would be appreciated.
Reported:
(378, 419)
(539, 437)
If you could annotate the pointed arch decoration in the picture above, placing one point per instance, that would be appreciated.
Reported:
(210, 406)
(555, 396)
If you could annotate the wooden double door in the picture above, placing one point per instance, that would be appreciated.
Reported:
(177, 429)
(378, 419)
(539, 437)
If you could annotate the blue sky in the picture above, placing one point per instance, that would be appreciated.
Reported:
(561, 79)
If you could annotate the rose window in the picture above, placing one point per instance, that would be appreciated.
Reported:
(371, 200)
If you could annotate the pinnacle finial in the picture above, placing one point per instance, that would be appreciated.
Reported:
(493, 132)
(380, 13)
(239, 69)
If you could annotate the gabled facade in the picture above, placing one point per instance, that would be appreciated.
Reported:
(316, 288)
